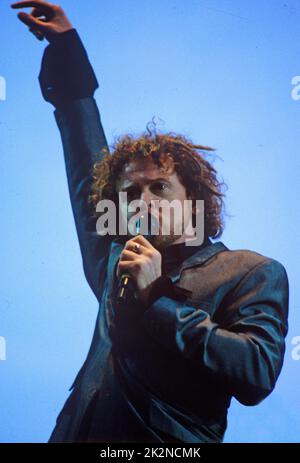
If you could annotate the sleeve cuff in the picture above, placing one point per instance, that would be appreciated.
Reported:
(66, 73)
(63, 36)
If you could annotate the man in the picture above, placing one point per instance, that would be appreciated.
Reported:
(203, 324)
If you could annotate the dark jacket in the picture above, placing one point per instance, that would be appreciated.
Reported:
(167, 373)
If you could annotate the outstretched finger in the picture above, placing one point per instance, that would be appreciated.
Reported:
(31, 21)
(43, 6)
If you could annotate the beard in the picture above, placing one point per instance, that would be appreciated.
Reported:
(158, 239)
(162, 241)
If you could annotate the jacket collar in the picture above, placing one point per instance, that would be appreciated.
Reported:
(196, 259)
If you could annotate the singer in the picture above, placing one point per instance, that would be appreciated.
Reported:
(202, 324)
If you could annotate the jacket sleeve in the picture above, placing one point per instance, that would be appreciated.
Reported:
(68, 82)
(66, 73)
(246, 349)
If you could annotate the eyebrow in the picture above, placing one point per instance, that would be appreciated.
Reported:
(159, 179)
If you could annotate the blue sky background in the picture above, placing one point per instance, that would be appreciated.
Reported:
(218, 71)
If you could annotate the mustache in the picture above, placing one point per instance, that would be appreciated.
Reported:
(146, 225)
(151, 222)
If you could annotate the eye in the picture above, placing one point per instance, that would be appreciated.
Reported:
(159, 186)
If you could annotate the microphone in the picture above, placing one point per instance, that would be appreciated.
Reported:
(126, 283)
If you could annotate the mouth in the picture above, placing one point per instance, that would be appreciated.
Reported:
(148, 225)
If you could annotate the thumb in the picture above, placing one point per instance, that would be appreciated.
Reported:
(30, 20)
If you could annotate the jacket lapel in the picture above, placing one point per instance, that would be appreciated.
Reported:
(115, 251)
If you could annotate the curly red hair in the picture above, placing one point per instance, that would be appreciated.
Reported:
(170, 152)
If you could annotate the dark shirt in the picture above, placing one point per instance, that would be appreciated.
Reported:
(173, 255)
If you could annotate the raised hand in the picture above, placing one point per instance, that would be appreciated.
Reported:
(44, 20)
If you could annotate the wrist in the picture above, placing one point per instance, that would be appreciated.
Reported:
(57, 36)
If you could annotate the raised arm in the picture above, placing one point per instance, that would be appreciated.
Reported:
(67, 80)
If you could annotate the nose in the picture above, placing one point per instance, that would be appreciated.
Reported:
(146, 196)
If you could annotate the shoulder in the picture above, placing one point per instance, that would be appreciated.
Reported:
(247, 261)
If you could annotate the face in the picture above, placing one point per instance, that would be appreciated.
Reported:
(143, 180)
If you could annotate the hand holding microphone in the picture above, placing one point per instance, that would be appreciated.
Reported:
(138, 268)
